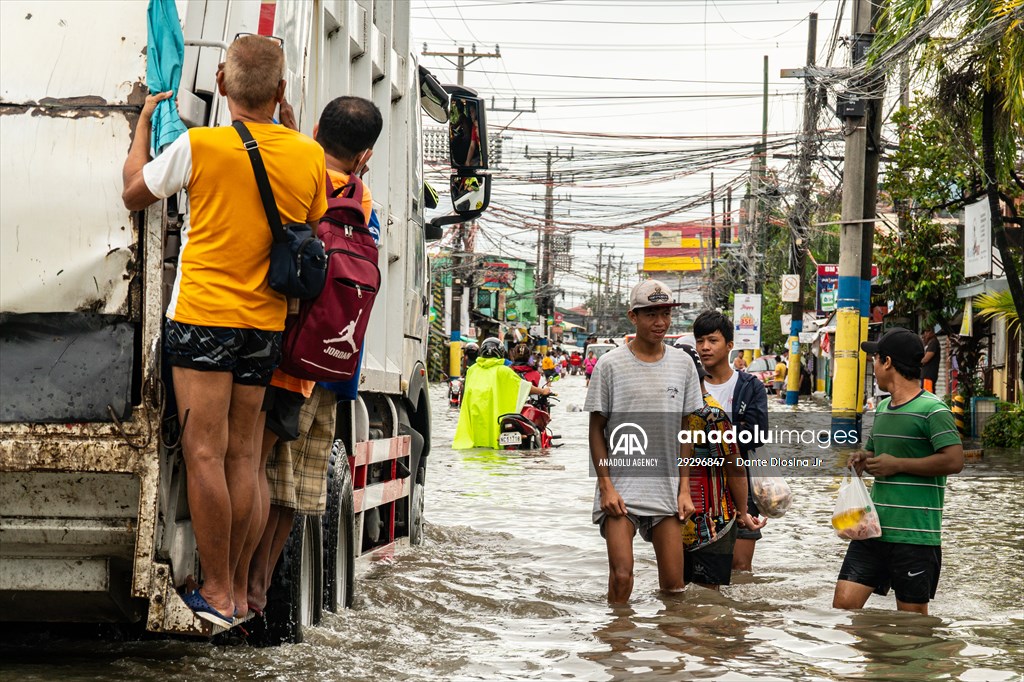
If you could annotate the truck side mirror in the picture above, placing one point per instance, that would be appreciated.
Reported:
(467, 132)
(433, 97)
(470, 193)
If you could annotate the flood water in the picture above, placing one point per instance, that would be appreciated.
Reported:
(510, 583)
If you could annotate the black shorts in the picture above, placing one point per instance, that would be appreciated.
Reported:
(712, 563)
(911, 570)
(743, 533)
(282, 407)
(249, 354)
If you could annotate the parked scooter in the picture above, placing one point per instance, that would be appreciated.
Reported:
(528, 430)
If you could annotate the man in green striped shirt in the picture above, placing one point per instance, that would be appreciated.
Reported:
(913, 446)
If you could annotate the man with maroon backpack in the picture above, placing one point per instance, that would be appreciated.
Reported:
(300, 414)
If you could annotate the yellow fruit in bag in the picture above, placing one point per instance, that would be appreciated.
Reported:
(848, 518)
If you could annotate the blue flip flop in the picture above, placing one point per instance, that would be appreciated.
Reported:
(195, 601)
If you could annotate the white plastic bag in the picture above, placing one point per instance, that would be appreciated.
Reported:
(771, 495)
(855, 516)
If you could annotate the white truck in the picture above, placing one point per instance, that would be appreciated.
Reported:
(94, 519)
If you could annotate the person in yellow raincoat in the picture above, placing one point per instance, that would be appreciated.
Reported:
(491, 389)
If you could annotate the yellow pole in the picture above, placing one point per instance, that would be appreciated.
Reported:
(793, 375)
(455, 357)
(847, 358)
(862, 361)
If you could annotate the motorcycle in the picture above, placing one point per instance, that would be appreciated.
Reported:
(455, 391)
(528, 429)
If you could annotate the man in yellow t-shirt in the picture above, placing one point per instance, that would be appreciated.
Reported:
(779, 383)
(547, 364)
(298, 410)
(223, 330)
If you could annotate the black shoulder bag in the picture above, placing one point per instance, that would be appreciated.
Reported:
(298, 264)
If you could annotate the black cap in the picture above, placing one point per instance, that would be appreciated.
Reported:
(902, 345)
(692, 352)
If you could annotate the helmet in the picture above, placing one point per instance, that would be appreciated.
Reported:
(471, 349)
(692, 352)
(520, 352)
(492, 348)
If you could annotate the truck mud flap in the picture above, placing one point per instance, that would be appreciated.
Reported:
(65, 367)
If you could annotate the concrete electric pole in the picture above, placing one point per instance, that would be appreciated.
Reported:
(545, 289)
(462, 58)
(799, 222)
(860, 111)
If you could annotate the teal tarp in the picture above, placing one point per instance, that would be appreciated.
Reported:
(165, 51)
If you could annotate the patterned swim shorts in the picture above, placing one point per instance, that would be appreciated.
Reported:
(249, 354)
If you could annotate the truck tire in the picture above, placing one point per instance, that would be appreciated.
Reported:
(339, 534)
(416, 507)
(411, 519)
(296, 591)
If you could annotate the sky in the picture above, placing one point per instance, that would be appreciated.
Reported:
(652, 97)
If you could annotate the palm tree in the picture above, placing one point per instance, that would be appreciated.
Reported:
(981, 69)
(998, 306)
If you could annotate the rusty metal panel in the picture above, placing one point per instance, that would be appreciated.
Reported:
(68, 242)
(59, 50)
(77, 495)
(82, 574)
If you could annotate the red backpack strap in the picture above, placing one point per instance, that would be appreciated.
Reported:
(356, 191)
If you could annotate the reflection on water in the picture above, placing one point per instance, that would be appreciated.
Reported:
(510, 582)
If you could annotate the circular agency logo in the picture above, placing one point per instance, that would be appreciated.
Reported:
(628, 439)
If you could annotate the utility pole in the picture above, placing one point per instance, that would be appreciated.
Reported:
(618, 283)
(455, 345)
(608, 287)
(756, 218)
(727, 217)
(545, 297)
(461, 57)
(711, 260)
(861, 120)
(799, 222)
(597, 289)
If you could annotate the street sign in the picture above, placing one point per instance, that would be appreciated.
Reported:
(790, 288)
(977, 239)
(828, 287)
(746, 320)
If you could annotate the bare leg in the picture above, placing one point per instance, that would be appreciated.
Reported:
(264, 561)
(743, 554)
(618, 533)
(916, 608)
(241, 471)
(851, 595)
(258, 523)
(667, 538)
(206, 398)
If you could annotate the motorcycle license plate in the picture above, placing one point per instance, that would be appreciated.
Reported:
(510, 438)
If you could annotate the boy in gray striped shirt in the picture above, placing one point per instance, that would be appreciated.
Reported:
(913, 446)
(638, 397)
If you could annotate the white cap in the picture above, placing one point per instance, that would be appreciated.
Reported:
(650, 293)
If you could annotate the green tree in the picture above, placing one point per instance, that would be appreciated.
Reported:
(979, 76)
(921, 260)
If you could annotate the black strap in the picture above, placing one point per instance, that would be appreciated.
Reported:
(262, 181)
